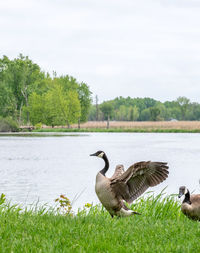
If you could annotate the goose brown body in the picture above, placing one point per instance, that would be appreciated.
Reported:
(191, 204)
(126, 186)
(106, 195)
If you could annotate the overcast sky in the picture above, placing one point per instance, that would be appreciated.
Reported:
(145, 48)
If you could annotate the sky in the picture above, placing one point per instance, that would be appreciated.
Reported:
(146, 48)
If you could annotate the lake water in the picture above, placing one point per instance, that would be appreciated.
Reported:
(42, 168)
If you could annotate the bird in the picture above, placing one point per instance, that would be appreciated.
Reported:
(191, 203)
(126, 186)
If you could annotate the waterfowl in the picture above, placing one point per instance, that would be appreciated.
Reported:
(126, 186)
(191, 203)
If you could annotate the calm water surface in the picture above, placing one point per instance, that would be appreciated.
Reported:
(42, 168)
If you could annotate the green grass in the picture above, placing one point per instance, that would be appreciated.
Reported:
(118, 130)
(160, 228)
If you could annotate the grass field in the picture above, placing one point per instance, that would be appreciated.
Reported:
(124, 126)
(188, 125)
(160, 228)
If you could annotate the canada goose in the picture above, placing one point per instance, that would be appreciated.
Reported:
(191, 203)
(126, 186)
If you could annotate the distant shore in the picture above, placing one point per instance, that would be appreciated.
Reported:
(117, 130)
(130, 127)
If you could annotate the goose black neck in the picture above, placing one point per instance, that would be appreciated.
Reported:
(187, 198)
(104, 170)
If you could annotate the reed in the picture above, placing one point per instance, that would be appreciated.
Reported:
(187, 125)
(126, 126)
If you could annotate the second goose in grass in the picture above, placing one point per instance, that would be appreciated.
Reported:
(126, 186)
(191, 203)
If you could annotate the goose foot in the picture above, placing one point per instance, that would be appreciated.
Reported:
(136, 213)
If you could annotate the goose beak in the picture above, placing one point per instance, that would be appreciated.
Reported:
(93, 154)
(180, 195)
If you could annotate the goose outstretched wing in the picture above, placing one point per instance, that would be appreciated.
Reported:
(138, 178)
(119, 170)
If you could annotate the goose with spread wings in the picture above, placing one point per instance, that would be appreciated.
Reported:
(126, 186)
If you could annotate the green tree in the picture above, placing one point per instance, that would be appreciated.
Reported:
(97, 107)
(92, 113)
(19, 75)
(162, 111)
(133, 113)
(107, 109)
(7, 101)
(183, 103)
(121, 113)
(22, 82)
(155, 112)
(67, 82)
(36, 108)
(195, 111)
(61, 107)
(84, 96)
(145, 115)
(73, 107)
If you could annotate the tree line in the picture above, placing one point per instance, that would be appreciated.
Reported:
(29, 95)
(145, 109)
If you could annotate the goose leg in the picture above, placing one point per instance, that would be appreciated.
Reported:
(137, 213)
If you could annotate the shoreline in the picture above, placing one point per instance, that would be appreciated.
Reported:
(59, 131)
(115, 130)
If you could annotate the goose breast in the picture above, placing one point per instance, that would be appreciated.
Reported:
(104, 192)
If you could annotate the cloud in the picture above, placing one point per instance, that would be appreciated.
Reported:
(120, 48)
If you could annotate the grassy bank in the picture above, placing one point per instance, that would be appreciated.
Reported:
(132, 127)
(118, 130)
(160, 228)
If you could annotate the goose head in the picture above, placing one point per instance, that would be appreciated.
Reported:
(182, 191)
(99, 154)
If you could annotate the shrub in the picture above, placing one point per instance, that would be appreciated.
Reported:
(38, 126)
(8, 125)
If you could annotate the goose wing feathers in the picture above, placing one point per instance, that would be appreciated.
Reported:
(195, 198)
(119, 170)
(138, 178)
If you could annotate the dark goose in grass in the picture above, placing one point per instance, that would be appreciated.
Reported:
(126, 186)
(191, 203)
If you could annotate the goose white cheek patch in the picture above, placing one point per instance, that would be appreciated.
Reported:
(185, 191)
(101, 154)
